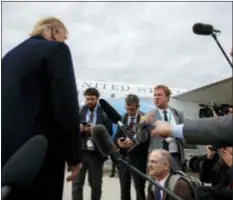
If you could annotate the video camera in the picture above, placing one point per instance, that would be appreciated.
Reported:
(212, 109)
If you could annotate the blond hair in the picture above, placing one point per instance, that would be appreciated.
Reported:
(165, 89)
(46, 23)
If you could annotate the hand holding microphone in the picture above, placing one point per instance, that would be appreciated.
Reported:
(115, 117)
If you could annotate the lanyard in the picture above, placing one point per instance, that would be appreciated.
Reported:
(169, 117)
(90, 116)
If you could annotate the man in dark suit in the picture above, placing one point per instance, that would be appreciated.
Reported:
(159, 168)
(164, 112)
(91, 114)
(136, 157)
(39, 96)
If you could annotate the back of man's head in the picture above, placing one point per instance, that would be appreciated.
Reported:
(47, 23)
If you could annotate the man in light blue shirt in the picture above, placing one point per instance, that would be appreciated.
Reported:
(199, 131)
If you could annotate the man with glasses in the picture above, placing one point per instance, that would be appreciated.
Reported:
(138, 159)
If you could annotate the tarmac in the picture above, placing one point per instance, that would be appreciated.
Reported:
(110, 187)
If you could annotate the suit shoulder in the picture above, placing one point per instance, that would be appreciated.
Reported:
(57, 45)
(175, 109)
(178, 112)
(57, 49)
(153, 110)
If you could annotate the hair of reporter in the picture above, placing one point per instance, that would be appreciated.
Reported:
(165, 88)
(132, 99)
(92, 92)
(165, 157)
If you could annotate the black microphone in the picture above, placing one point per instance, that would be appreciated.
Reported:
(143, 131)
(207, 29)
(115, 117)
(104, 143)
(204, 29)
(23, 166)
(103, 140)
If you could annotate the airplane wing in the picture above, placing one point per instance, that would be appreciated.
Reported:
(219, 92)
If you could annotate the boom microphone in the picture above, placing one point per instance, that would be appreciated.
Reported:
(104, 143)
(22, 167)
(207, 29)
(204, 29)
(115, 117)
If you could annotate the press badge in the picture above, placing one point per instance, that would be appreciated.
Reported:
(90, 145)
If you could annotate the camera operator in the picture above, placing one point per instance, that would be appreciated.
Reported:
(213, 167)
(216, 169)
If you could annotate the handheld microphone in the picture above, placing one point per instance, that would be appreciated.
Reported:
(22, 168)
(103, 141)
(204, 29)
(143, 130)
(115, 117)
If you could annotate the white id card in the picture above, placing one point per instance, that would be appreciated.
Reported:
(90, 145)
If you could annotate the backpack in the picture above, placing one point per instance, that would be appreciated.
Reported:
(193, 183)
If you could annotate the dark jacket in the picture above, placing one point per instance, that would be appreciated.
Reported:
(141, 150)
(230, 174)
(101, 119)
(214, 171)
(39, 96)
(181, 189)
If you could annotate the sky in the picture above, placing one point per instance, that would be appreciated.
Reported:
(133, 42)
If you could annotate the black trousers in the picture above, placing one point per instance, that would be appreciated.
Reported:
(113, 169)
(177, 161)
(94, 166)
(126, 177)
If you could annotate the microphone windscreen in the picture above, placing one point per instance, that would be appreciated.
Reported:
(22, 167)
(203, 29)
(103, 140)
(143, 132)
(113, 115)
